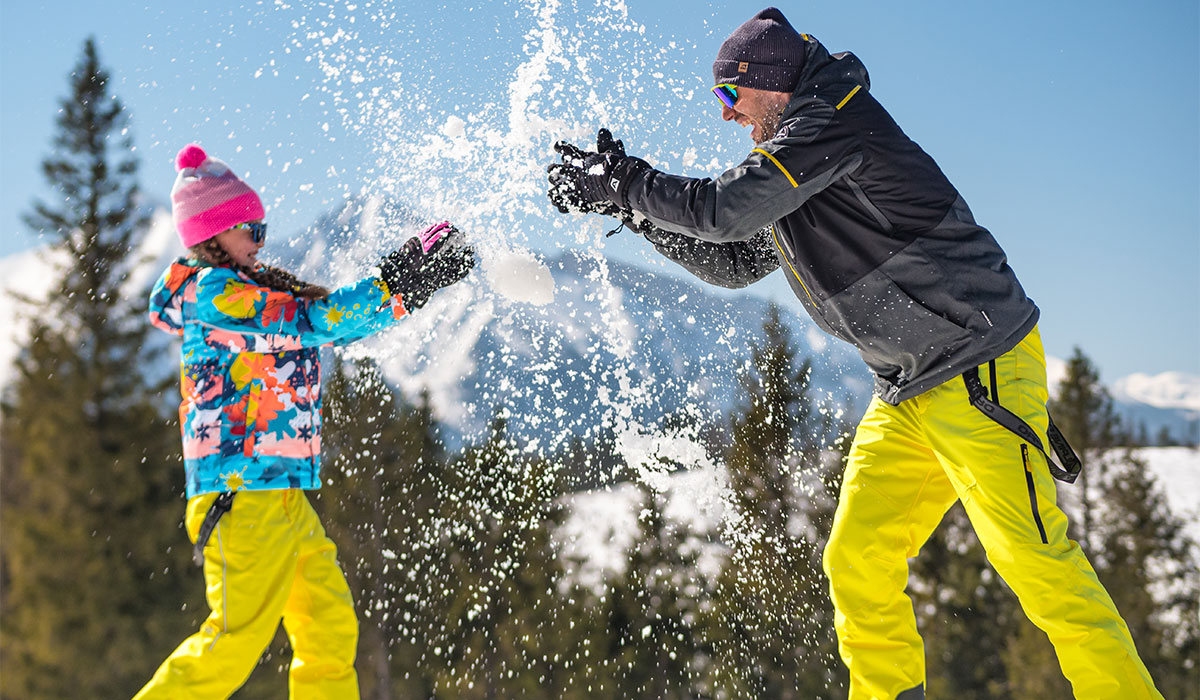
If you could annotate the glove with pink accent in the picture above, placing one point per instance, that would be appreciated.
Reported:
(437, 258)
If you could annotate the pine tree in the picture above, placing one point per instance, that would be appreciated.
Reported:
(1082, 410)
(95, 560)
(774, 617)
(382, 490)
(504, 630)
(654, 613)
(1149, 565)
(1143, 435)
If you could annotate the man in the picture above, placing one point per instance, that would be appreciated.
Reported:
(883, 253)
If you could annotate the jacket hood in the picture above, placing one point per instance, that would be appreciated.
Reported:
(167, 297)
(822, 69)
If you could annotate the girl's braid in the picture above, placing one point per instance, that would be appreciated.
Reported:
(266, 275)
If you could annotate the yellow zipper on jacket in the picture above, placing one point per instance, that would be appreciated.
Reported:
(803, 286)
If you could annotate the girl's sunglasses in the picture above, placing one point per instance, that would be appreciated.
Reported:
(726, 93)
(258, 231)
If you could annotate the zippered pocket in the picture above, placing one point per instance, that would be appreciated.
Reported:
(251, 416)
(874, 211)
(1037, 517)
(788, 256)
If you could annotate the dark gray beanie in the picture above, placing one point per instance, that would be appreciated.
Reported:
(764, 53)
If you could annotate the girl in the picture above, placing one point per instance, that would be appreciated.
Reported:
(251, 423)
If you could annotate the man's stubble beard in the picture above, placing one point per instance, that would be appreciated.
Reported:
(769, 126)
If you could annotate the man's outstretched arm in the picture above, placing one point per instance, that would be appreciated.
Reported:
(731, 265)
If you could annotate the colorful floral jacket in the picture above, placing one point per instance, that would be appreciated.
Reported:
(251, 376)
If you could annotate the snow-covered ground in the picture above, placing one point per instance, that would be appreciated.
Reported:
(1177, 471)
(602, 525)
(595, 540)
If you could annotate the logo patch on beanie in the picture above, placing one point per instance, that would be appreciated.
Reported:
(743, 67)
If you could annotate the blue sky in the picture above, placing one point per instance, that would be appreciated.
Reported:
(1072, 128)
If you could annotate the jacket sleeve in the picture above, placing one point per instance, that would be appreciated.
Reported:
(388, 315)
(733, 265)
(227, 304)
(773, 181)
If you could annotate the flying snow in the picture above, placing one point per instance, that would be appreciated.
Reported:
(479, 161)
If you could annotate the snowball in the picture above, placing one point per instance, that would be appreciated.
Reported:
(519, 276)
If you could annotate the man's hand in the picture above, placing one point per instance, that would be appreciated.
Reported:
(606, 144)
(594, 182)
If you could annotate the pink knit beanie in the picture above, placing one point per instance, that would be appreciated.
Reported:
(208, 198)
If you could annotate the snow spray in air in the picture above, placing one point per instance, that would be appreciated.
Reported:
(478, 159)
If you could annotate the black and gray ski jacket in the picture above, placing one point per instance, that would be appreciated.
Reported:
(877, 244)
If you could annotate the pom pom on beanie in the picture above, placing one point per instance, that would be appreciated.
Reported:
(190, 156)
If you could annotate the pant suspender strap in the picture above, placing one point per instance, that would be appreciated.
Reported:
(219, 507)
(1058, 442)
(1070, 461)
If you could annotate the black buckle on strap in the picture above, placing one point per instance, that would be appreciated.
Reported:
(1071, 465)
(222, 505)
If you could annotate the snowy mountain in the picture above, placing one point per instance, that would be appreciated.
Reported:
(28, 273)
(1166, 390)
(1168, 402)
(1163, 403)
(608, 348)
(616, 345)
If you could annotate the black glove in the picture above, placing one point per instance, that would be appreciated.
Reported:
(594, 182)
(437, 258)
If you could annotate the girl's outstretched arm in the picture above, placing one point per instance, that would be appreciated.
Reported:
(276, 320)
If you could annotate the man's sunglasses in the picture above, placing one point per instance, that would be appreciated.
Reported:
(258, 231)
(726, 93)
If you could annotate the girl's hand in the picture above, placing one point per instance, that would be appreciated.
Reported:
(434, 259)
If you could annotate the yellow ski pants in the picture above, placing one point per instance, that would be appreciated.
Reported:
(268, 559)
(907, 466)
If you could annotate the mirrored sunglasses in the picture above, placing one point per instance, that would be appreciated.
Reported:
(726, 93)
(258, 231)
